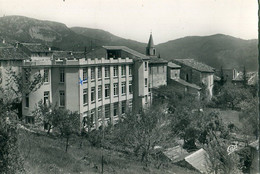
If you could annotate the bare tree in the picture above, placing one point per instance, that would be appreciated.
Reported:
(142, 132)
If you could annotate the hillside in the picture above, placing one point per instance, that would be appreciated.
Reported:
(46, 154)
(109, 39)
(216, 50)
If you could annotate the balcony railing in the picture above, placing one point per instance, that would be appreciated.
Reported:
(82, 61)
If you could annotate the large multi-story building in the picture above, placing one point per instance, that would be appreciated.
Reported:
(100, 88)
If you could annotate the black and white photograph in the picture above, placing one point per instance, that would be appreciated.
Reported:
(129, 86)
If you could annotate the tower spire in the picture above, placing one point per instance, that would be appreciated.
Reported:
(150, 49)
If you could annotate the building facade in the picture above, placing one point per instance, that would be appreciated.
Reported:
(100, 88)
(197, 73)
(178, 84)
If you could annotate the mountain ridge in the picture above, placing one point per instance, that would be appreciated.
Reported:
(215, 50)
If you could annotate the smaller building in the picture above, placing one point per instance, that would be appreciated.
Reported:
(180, 85)
(197, 73)
(227, 74)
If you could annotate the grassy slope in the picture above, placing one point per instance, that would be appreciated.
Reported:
(44, 154)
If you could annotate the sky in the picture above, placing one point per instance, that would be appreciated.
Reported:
(135, 19)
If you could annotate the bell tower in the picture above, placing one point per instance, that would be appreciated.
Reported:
(150, 49)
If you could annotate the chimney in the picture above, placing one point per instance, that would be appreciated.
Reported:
(3, 41)
(49, 48)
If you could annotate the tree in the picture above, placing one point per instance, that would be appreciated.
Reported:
(141, 132)
(249, 117)
(231, 95)
(67, 122)
(184, 121)
(219, 160)
(10, 101)
(244, 77)
(53, 117)
(24, 83)
(10, 160)
(167, 94)
(222, 78)
(19, 84)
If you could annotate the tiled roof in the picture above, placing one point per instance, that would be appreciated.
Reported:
(173, 65)
(199, 160)
(183, 82)
(157, 60)
(194, 64)
(176, 153)
(68, 54)
(126, 49)
(35, 47)
(12, 53)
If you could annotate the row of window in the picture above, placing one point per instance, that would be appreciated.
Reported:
(106, 113)
(107, 91)
(107, 72)
(159, 69)
(92, 73)
(85, 94)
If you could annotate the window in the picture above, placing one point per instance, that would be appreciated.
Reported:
(27, 75)
(130, 104)
(123, 87)
(46, 75)
(85, 96)
(130, 87)
(145, 66)
(92, 117)
(150, 70)
(92, 94)
(115, 89)
(62, 98)
(92, 73)
(107, 72)
(130, 70)
(107, 90)
(84, 121)
(46, 97)
(107, 111)
(146, 99)
(85, 74)
(115, 71)
(99, 73)
(99, 112)
(145, 82)
(27, 100)
(116, 109)
(123, 70)
(99, 92)
(123, 106)
(62, 76)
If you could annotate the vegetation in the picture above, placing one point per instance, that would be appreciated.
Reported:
(231, 96)
(148, 129)
(52, 117)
